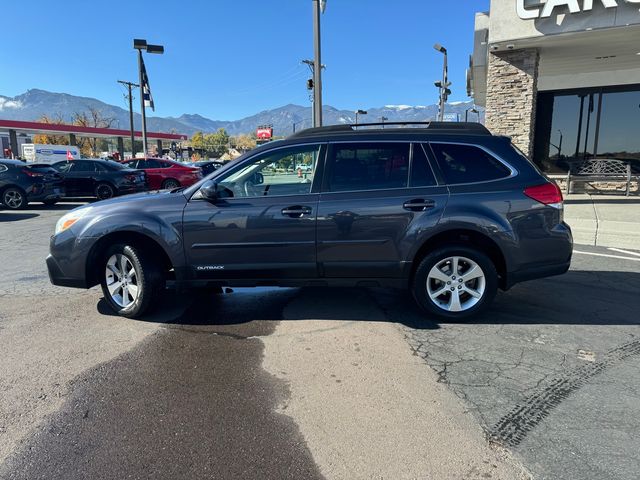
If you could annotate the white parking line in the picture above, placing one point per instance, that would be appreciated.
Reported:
(608, 256)
(625, 251)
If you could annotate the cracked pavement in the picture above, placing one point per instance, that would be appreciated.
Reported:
(551, 371)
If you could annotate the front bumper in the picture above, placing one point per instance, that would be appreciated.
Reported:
(67, 260)
(57, 276)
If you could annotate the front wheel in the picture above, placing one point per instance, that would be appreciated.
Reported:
(131, 281)
(455, 282)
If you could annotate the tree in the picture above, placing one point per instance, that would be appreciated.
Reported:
(217, 144)
(244, 143)
(92, 117)
(51, 139)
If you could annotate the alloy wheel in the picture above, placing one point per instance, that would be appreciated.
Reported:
(122, 280)
(104, 192)
(13, 199)
(456, 284)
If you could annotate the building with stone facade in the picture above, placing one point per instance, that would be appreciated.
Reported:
(561, 77)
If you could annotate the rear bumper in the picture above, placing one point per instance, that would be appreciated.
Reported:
(533, 273)
(42, 192)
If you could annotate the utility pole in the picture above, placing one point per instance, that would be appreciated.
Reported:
(318, 8)
(130, 85)
(311, 86)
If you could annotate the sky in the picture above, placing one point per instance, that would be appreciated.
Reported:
(229, 59)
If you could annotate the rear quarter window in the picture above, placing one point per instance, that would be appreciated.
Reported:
(467, 164)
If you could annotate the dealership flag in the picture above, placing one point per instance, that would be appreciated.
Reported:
(69, 155)
(146, 89)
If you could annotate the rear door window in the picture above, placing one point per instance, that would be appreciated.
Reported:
(467, 164)
(368, 166)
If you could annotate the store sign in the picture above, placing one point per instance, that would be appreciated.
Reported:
(527, 11)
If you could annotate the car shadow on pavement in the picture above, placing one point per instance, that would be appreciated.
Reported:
(576, 298)
(8, 216)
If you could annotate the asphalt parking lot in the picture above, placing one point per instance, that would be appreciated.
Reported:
(312, 383)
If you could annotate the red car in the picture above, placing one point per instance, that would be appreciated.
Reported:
(165, 174)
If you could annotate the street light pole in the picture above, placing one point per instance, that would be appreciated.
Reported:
(142, 106)
(141, 45)
(318, 7)
(130, 85)
(444, 84)
(472, 110)
(383, 119)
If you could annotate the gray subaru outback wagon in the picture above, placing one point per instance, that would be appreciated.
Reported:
(447, 210)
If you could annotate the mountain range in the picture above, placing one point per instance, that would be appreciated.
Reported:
(34, 103)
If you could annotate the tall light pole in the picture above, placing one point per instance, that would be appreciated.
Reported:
(145, 91)
(443, 85)
(130, 85)
(318, 9)
(360, 112)
(311, 88)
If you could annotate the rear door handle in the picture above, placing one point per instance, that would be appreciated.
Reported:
(296, 211)
(418, 205)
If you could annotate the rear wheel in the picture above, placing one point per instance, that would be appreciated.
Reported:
(170, 184)
(104, 191)
(455, 282)
(14, 198)
(131, 281)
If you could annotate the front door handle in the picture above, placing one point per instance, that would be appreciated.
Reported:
(296, 211)
(418, 205)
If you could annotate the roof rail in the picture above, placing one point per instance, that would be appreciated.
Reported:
(457, 127)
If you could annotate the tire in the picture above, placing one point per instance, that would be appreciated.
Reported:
(147, 278)
(170, 184)
(434, 280)
(50, 203)
(14, 198)
(104, 191)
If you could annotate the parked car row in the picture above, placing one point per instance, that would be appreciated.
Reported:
(22, 183)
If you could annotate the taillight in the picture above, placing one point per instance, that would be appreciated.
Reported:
(131, 178)
(31, 173)
(548, 194)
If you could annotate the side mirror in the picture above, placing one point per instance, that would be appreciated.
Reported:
(209, 190)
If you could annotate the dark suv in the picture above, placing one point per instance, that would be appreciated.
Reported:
(447, 210)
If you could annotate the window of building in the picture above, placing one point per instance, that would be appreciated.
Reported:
(586, 124)
(467, 164)
(368, 166)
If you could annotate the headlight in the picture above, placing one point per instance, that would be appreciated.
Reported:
(66, 221)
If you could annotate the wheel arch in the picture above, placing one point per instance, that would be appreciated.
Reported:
(137, 239)
(469, 238)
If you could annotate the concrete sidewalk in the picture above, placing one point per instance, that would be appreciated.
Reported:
(604, 220)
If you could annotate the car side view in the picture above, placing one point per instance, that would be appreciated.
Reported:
(102, 179)
(447, 210)
(21, 183)
(166, 174)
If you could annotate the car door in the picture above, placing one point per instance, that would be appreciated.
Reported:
(376, 197)
(64, 168)
(82, 176)
(263, 225)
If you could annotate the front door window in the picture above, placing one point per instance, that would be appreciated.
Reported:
(287, 171)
